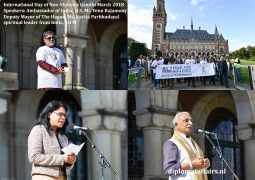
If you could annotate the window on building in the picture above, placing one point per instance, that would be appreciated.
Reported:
(135, 143)
(221, 49)
(160, 8)
(222, 122)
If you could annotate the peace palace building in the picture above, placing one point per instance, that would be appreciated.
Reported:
(184, 41)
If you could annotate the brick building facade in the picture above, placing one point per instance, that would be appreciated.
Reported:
(184, 41)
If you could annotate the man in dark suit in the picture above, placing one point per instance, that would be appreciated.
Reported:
(223, 68)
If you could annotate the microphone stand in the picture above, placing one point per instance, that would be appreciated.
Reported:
(72, 64)
(220, 156)
(104, 161)
(222, 163)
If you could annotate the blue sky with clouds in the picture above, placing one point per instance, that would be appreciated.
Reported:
(234, 19)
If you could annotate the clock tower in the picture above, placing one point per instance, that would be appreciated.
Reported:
(159, 25)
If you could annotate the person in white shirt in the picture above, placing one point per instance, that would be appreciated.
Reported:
(51, 63)
(203, 78)
(191, 60)
(138, 62)
(129, 62)
(147, 65)
(181, 154)
(154, 65)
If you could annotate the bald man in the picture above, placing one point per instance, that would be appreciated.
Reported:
(182, 156)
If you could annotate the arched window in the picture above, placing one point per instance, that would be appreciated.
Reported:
(120, 63)
(222, 122)
(135, 142)
(80, 168)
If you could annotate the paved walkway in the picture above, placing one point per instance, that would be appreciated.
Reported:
(184, 86)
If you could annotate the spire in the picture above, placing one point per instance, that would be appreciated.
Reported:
(216, 32)
(191, 23)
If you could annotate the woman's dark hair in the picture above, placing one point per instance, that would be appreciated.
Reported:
(49, 108)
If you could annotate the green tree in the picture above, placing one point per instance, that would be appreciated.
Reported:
(251, 51)
(158, 53)
(252, 58)
(130, 41)
(243, 53)
(136, 49)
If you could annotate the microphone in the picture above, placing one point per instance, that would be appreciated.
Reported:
(205, 132)
(74, 127)
(60, 46)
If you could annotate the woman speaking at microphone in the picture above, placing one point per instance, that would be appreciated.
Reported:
(45, 142)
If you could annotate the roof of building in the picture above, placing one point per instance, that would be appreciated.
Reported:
(188, 34)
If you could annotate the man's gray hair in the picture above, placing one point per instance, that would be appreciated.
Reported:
(46, 33)
(177, 117)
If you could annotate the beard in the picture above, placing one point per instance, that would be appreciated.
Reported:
(51, 44)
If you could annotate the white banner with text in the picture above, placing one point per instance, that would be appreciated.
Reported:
(135, 70)
(184, 70)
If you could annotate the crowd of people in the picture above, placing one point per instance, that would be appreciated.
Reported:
(222, 66)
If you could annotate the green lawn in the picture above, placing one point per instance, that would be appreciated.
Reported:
(245, 75)
(244, 72)
(247, 63)
(132, 78)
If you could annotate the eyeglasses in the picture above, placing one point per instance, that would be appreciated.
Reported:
(49, 38)
(60, 114)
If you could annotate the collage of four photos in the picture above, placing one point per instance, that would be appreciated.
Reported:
(127, 90)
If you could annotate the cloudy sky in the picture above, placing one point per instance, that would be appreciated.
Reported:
(234, 19)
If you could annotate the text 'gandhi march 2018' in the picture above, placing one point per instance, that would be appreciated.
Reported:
(60, 13)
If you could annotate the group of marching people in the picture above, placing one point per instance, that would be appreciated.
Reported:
(222, 67)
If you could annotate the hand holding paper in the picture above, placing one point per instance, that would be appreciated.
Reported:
(66, 69)
(72, 148)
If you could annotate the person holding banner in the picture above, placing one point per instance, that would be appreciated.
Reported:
(45, 142)
(212, 78)
(172, 80)
(203, 78)
(179, 60)
(183, 159)
(191, 60)
(154, 66)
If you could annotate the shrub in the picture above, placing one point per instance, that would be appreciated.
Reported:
(252, 58)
